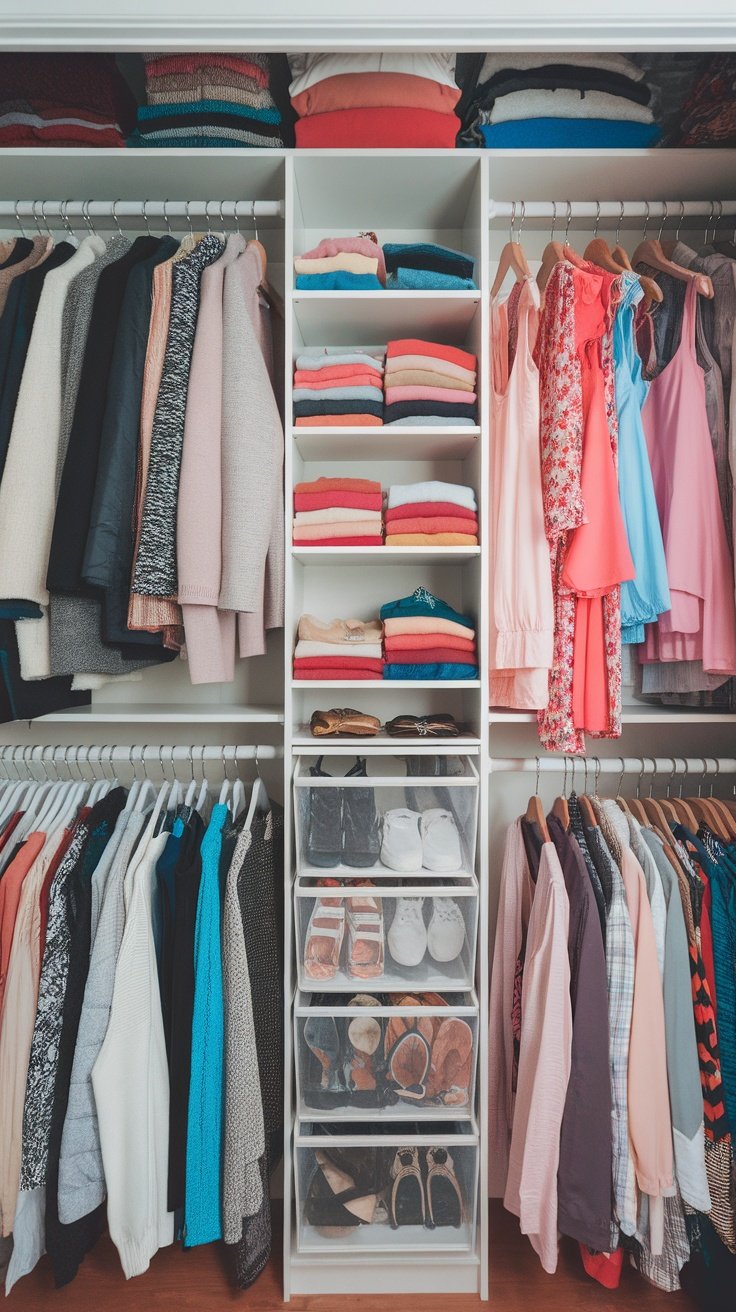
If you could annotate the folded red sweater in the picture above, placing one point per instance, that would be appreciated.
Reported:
(338, 421)
(436, 524)
(417, 641)
(370, 485)
(432, 656)
(415, 346)
(415, 509)
(22, 134)
(326, 500)
(339, 542)
(319, 378)
(338, 663)
(332, 676)
(378, 127)
(191, 63)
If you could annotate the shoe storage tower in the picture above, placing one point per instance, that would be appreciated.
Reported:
(443, 196)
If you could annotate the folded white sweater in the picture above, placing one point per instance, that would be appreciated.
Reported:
(405, 494)
(565, 102)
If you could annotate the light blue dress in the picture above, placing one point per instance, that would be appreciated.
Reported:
(647, 595)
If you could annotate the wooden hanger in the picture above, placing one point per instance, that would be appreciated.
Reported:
(652, 253)
(512, 256)
(560, 807)
(555, 252)
(598, 252)
(535, 811)
(653, 808)
(256, 242)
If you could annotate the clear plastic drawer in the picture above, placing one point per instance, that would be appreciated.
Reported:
(389, 815)
(396, 1190)
(401, 936)
(388, 1056)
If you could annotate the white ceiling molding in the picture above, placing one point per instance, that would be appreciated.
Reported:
(129, 25)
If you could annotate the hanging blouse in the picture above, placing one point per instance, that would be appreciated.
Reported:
(522, 609)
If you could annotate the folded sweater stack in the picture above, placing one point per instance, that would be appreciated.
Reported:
(424, 638)
(424, 266)
(338, 649)
(372, 100)
(63, 100)
(427, 383)
(590, 100)
(342, 264)
(340, 387)
(338, 512)
(431, 514)
(211, 99)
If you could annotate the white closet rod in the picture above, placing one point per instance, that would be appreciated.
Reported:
(673, 211)
(165, 754)
(213, 210)
(641, 765)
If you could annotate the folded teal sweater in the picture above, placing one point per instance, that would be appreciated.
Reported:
(338, 281)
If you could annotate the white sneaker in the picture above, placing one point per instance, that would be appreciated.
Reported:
(446, 934)
(440, 841)
(401, 848)
(407, 937)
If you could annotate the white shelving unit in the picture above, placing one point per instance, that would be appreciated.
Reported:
(435, 195)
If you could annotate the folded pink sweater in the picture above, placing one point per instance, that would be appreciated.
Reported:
(316, 382)
(359, 245)
(450, 394)
(400, 363)
(362, 528)
(427, 624)
(437, 524)
(415, 641)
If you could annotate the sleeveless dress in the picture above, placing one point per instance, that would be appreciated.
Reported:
(522, 610)
(647, 595)
(701, 625)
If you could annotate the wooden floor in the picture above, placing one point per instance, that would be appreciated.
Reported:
(197, 1282)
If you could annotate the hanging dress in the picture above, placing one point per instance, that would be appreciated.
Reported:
(701, 625)
(647, 595)
(522, 608)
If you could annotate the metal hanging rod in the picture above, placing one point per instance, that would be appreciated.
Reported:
(109, 211)
(165, 755)
(673, 211)
(638, 765)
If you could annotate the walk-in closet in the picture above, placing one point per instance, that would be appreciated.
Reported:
(324, 1041)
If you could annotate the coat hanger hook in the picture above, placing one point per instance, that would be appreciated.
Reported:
(44, 203)
(554, 221)
(573, 763)
(719, 216)
(564, 778)
(567, 223)
(641, 775)
(222, 221)
(536, 784)
(145, 217)
(585, 774)
(702, 777)
(144, 749)
(189, 220)
(665, 215)
(115, 216)
(717, 766)
(17, 219)
(236, 216)
(166, 218)
(620, 219)
(521, 220)
(679, 221)
(653, 760)
(597, 775)
(207, 217)
(646, 220)
(512, 221)
(253, 217)
(63, 209)
(705, 236)
(671, 777)
(597, 218)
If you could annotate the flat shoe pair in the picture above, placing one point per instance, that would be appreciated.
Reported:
(425, 1192)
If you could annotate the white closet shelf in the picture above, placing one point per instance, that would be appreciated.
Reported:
(164, 713)
(384, 555)
(338, 318)
(304, 742)
(367, 444)
(449, 685)
(632, 715)
(610, 175)
(400, 1112)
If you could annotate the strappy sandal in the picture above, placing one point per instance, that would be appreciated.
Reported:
(325, 934)
(444, 1199)
(365, 936)
(422, 726)
(452, 1063)
(407, 1202)
(340, 1197)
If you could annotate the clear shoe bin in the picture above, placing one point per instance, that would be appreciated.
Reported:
(416, 1189)
(409, 935)
(390, 1057)
(386, 816)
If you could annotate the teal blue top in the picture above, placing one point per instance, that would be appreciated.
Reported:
(203, 1198)
(647, 595)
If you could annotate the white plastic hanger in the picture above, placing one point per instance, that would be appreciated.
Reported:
(20, 793)
(191, 790)
(175, 795)
(258, 797)
(238, 800)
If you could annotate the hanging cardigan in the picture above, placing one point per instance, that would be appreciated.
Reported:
(210, 633)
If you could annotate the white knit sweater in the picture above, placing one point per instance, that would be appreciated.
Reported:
(131, 1083)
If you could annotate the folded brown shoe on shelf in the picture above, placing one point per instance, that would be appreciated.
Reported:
(423, 726)
(343, 722)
